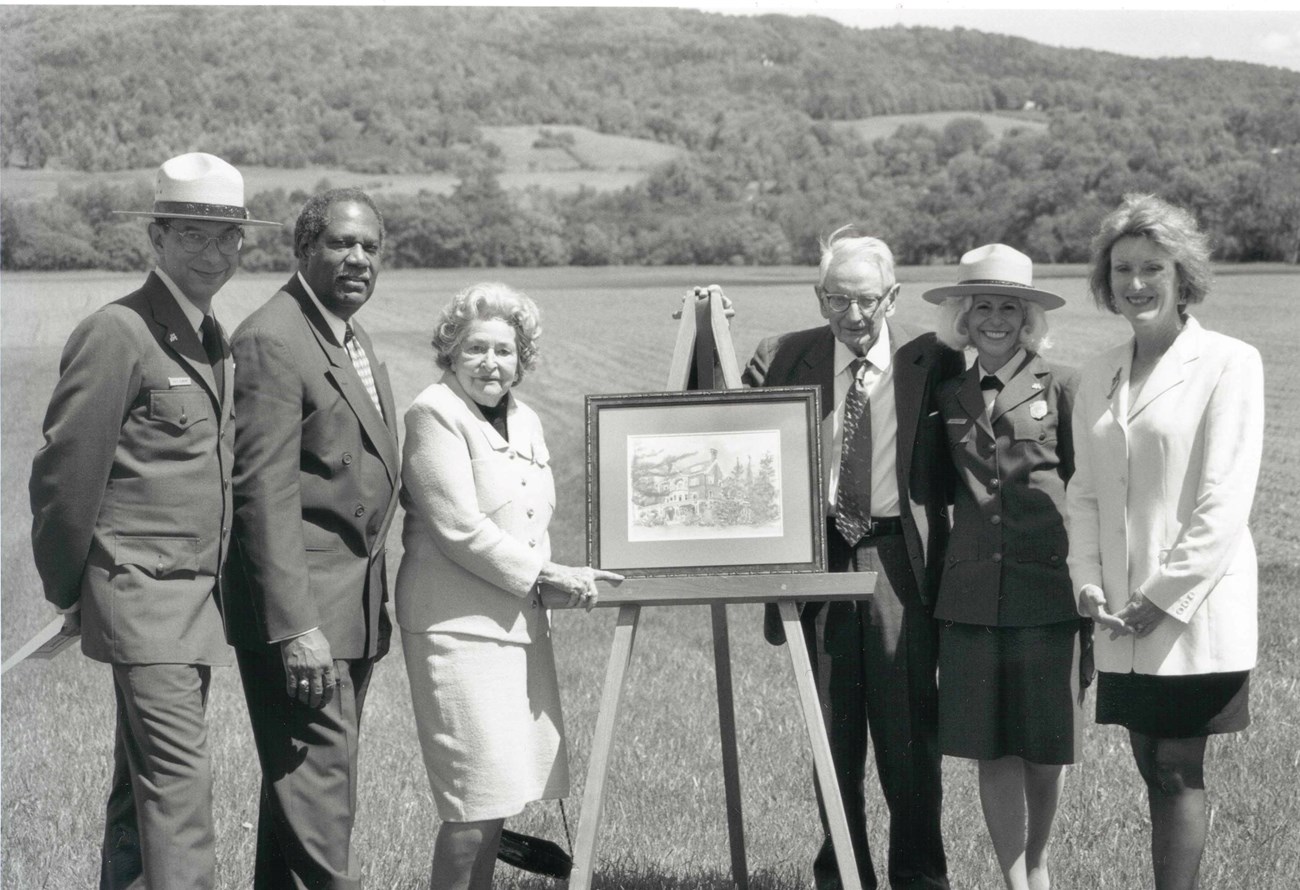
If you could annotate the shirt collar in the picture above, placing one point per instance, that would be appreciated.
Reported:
(338, 326)
(879, 355)
(1008, 370)
(192, 313)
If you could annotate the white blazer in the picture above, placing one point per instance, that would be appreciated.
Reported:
(477, 508)
(1160, 497)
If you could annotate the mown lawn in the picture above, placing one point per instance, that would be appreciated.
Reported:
(609, 330)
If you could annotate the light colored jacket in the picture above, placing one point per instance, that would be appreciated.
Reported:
(477, 509)
(1160, 498)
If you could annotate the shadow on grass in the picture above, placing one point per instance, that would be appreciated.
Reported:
(627, 877)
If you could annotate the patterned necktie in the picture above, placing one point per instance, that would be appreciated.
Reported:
(212, 348)
(853, 493)
(362, 364)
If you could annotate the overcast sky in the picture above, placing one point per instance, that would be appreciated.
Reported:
(1267, 33)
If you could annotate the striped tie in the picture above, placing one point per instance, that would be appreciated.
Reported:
(362, 364)
(853, 493)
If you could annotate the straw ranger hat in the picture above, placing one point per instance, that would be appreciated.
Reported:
(995, 269)
(199, 186)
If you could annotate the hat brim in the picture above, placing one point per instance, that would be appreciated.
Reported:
(196, 216)
(1046, 299)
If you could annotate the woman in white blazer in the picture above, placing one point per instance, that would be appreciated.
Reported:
(1168, 435)
(475, 583)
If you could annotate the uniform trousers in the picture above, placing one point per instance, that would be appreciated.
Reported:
(309, 776)
(875, 662)
(158, 830)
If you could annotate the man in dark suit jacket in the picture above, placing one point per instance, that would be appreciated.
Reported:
(131, 507)
(875, 660)
(316, 472)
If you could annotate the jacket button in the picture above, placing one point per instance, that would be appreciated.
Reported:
(347, 458)
(185, 418)
(532, 542)
(531, 512)
(523, 481)
(1042, 437)
(997, 557)
(359, 511)
(1055, 558)
(995, 519)
(994, 483)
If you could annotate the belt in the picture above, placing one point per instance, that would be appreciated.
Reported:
(880, 527)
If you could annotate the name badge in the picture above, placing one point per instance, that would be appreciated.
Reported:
(179, 381)
(1038, 410)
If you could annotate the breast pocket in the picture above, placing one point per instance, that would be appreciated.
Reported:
(1030, 430)
(178, 409)
(495, 483)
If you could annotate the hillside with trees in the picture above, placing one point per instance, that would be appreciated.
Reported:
(761, 107)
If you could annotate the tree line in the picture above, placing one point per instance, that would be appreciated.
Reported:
(931, 194)
(760, 105)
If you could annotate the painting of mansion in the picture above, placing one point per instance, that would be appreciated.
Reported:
(704, 486)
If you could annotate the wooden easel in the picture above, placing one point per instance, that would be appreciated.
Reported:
(703, 354)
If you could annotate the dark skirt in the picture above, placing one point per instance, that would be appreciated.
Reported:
(1010, 691)
(1175, 707)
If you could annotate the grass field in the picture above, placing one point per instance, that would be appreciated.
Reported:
(884, 125)
(609, 330)
(595, 160)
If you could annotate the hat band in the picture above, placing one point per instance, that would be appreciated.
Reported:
(998, 282)
(188, 208)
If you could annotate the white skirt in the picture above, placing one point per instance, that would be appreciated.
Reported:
(488, 717)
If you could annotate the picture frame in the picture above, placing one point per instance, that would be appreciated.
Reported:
(706, 483)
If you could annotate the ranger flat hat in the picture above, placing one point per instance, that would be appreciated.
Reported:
(199, 186)
(995, 269)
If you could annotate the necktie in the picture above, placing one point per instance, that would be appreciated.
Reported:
(212, 348)
(362, 364)
(853, 494)
(991, 381)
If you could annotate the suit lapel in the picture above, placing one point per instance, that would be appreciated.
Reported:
(348, 382)
(179, 336)
(1170, 372)
(1028, 382)
(817, 367)
(909, 377)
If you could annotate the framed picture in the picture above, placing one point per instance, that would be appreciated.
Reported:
(705, 483)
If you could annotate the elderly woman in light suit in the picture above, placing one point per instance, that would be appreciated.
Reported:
(1009, 634)
(1169, 430)
(475, 583)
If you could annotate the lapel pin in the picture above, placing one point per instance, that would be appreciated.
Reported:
(172, 338)
(1038, 410)
(1036, 386)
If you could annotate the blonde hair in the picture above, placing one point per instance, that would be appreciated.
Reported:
(953, 330)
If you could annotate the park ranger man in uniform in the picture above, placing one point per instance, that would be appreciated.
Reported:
(131, 506)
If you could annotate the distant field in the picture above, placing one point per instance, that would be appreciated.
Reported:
(609, 330)
(885, 125)
(595, 160)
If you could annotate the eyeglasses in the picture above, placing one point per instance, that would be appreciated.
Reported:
(866, 305)
(194, 241)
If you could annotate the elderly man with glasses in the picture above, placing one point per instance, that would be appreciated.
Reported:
(131, 504)
(882, 445)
